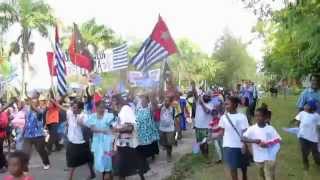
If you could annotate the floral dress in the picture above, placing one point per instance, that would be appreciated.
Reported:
(102, 144)
(146, 127)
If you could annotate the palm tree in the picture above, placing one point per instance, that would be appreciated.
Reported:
(31, 15)
(96, 35)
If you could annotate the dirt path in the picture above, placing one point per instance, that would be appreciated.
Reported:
(161, 169)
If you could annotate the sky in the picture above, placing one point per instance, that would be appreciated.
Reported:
(201, 21)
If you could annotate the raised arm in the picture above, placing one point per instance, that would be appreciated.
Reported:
(194, 90)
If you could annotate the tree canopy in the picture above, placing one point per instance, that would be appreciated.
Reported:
(237, 63)
(292, 36)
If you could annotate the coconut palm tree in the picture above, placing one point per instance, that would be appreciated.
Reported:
(98, 36)
(31, 15)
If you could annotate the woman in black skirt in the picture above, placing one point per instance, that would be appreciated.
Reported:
(148, 134)
(78, 149)
(130, 161)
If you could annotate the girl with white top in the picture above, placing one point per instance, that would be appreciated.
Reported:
(233, 124)
(266, 144)
(309, 123)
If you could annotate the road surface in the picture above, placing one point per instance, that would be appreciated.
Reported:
(160, 168)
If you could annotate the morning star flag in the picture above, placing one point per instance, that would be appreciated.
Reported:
(79, 53)
(60, 66)
(155, 48)
(120, 57)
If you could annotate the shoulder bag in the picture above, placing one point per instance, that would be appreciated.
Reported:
(246, 155)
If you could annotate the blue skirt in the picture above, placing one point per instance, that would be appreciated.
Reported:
(233, 157)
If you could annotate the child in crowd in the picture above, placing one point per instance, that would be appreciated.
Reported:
(16, 164)
(167, 126)
(243, 106)
(266, 144)
(215, 131)
(269, 113)
(309, 122)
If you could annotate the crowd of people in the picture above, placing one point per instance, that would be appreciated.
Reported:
(119, 134)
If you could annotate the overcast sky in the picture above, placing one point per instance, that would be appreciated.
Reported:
(202, 21)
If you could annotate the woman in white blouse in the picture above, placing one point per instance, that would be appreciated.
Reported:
(130, 161)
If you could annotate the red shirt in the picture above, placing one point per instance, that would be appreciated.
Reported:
(4, 120)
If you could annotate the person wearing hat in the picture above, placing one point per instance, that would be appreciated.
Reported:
(309, 123)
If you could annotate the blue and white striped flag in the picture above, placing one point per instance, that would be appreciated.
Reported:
(120, 57)
(155, 48)
(60, 66)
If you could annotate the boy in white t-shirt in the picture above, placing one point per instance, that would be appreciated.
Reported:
(265, 144)
(309, 122)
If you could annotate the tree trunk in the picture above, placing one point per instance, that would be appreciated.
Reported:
(23, 59)
(26, 33)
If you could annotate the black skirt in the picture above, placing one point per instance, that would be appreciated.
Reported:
(149, 150)
(130, 162)
(78, 154)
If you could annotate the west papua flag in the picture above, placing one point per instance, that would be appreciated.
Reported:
(79, 53)
(156, 48)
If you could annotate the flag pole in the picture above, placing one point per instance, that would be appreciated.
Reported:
(54, 59)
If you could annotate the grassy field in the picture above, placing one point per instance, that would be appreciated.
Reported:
(289, 164)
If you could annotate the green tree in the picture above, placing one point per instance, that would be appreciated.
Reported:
(31, 15)
(292, 36)
(237, 63)
(96, 35)
(193, 64)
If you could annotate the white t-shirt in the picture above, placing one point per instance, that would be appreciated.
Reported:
(308, 126)
(202, 119)
(265, 134)
(231, 138)
(74, 129)
(127, 115)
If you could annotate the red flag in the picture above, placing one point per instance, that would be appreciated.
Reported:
(162, 36)
(79, 54)
(52, 67)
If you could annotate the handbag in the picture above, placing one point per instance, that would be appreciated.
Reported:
(246, 154)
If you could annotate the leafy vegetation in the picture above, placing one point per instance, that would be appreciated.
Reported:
(229, 63)
(289, 163)
(238, 64)
(96, 35)
(31, 15)
(292, 36)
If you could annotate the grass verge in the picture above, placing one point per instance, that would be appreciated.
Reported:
(289, 163)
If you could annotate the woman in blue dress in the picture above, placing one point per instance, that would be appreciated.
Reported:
(102, 141)
(148, 134)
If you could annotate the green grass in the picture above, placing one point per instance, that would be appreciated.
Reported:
(289, 163)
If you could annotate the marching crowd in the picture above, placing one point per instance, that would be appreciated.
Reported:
(119, 134)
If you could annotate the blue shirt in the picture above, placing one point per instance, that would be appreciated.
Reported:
(307, 95)
(34, 125)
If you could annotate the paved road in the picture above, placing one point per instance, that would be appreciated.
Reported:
(160, 168)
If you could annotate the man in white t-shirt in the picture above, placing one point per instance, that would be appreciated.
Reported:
(203, 117)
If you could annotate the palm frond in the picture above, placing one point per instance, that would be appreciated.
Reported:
(8, 16)
(36, 15)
